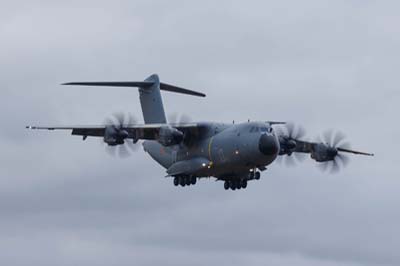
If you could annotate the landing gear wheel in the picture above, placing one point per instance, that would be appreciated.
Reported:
(251, 175)
(257, 175)
(226, 185)
(187, 180)
(182, 181)
(176, 181)
(193, 180)
(244, 184)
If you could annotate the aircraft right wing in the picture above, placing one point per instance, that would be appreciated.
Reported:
(136, 131)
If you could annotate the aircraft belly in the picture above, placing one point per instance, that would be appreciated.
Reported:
(165, 156)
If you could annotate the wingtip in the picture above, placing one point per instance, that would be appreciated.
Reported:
(199, 94)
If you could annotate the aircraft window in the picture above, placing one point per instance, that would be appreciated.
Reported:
(254, 129)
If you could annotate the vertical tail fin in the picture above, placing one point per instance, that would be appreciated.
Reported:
(151, 101)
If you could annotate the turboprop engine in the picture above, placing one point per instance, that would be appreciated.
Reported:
(114, 136)
(169, 136)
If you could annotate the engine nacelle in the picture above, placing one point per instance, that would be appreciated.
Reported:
(287, 145)
(114, 136)
(169, 136)
(323, 153)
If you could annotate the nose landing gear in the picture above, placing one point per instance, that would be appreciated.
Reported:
(254, 175)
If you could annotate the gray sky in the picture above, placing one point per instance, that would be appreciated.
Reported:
(322, 64)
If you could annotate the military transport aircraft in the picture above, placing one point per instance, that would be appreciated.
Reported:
(232, 153)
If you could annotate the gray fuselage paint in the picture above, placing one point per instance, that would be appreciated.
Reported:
(232, 149)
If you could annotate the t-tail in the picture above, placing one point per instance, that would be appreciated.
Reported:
(150, 96)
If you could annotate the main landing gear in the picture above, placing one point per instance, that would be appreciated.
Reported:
(185, 180)
(234, 184)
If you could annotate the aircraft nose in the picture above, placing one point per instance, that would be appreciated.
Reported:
(268, 145)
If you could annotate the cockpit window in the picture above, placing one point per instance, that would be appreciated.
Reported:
(255, 129)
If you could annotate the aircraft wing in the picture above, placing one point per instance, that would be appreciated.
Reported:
(139, 131)
(310, 147)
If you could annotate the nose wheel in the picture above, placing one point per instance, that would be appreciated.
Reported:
(254, 175)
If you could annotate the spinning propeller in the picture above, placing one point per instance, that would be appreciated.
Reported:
(334, 149)
(119, 141)
(190, 136)
(288, 134)
(329, 152)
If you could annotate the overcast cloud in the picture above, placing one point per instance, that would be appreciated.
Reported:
(322, 64)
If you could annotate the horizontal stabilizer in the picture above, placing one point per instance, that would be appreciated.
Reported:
(140, 84)
(171, 88)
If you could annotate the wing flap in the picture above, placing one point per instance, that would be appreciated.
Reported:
(93, 132)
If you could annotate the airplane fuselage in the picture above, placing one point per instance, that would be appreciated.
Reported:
(224, 151)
